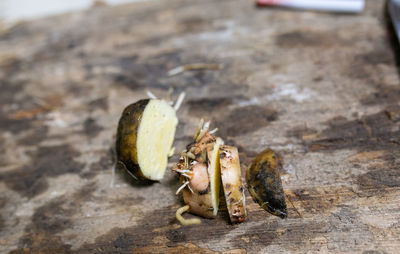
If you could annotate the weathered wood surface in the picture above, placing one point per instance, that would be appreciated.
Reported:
(321, 89)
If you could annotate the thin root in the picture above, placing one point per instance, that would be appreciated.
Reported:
(195, 66)
(183, 221)
(126, 169)
(297, 211)
(186, 175)
(182, 187)
(130, 173)
(190, 188)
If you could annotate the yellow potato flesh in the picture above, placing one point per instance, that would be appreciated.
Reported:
(215, 173)
(155, 137)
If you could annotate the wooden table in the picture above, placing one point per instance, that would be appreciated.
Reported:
(321, 89)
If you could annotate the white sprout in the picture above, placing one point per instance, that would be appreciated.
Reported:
(185, 175)
(204, 155)
(203, 131)
(194, 66)
(198, 129)
(179, 101)
(182, 170)
(182, 187)
(213, 131)
(151, 95)
(206, 126)
(175, 71)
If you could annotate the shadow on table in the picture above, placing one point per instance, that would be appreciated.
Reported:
(127, 177)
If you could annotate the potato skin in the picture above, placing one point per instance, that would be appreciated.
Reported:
(264, 183)
(127, 135)
(200, 200)
(204, 143)
(199, 203)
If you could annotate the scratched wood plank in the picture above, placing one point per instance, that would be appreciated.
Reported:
(321, 89)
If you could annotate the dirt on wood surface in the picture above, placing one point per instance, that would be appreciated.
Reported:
(320, 89)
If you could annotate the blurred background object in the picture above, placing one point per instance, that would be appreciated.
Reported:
(13, 10)
(394, 10)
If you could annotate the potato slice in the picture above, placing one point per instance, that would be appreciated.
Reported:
(214, 172)
(232, 183)
(145, 135)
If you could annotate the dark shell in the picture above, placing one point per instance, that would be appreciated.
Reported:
(126, 137)
(264, 183)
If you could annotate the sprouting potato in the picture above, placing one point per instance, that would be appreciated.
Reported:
(202, 194)
(201, 167)
(264, 183)
(198, 194)
(232, 183)
(145, 135)
(199, 172)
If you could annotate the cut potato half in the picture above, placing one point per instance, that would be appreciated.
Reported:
(232, 183)
(145, 135)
